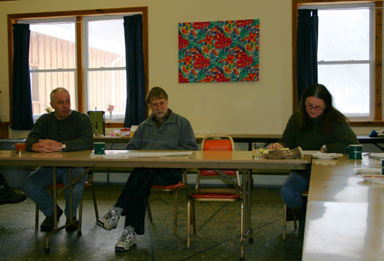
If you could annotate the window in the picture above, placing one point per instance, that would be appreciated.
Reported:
(84, 52)
(345, 60)
(349, 56)
(105, 73)
(52, 61)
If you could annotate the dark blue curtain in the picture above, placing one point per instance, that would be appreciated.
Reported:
(21, 110)
(307, 39)
(135, 110)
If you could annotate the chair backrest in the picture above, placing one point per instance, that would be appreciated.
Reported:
(217, 143)
(98, 123)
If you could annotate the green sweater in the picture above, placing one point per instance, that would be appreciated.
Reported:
(75, 131)
(312, 139)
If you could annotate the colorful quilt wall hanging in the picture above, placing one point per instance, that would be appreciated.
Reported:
(219, 51)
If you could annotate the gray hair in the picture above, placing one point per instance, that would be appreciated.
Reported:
(53, 92)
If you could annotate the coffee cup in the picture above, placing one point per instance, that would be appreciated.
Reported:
(355, 151)
(99, 148)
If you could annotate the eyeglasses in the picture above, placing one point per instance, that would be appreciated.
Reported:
(316, 108)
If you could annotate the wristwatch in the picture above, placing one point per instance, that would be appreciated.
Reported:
(64, 147)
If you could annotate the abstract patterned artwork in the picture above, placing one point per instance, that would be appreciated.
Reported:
(219, 51)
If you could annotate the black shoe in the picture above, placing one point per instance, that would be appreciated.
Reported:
(8, 196)
(73, 227)
(48, 222)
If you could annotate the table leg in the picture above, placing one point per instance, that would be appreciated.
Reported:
(249, 195)
(244, 211)
(55, 192)
(70, 196)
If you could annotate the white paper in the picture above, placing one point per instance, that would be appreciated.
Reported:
(144, 154)
(376, 155)
(321, 155)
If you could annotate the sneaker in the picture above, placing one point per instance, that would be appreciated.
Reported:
(73, 227)
(48, 222)
(127, 239)
(109, 221)
(8, 196)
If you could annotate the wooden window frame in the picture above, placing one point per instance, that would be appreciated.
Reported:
(78, 14)
(378, 56)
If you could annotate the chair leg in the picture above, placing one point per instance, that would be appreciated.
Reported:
(193, 217)
(94, 202)
(175, 208)
(37, 218)
(80, 216)
(189, 223)
(149, 212)
(284, 221)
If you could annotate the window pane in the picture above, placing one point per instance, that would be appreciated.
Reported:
(106, 43)
(52, 46)
(344, 35)
(107, 87)
(43, 83)
(349, 85)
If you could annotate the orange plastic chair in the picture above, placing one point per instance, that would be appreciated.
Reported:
(213, 143)
(174, 188)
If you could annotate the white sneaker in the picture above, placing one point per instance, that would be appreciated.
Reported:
(127, 239)
(109, 221)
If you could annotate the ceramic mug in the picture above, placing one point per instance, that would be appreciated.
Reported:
(99, 148)
(355, 151)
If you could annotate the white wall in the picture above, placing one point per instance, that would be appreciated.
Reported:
(255, 107)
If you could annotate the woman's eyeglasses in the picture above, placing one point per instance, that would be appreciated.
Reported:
(316, 108)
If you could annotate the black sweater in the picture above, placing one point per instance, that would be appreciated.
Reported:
(75, 131)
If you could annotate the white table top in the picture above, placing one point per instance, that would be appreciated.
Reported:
(198, 159)
(345, 214)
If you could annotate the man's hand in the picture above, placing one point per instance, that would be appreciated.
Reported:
(47, 145)
(275, 146)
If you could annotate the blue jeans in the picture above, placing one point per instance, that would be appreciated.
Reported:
(293, 187)
(36, 184)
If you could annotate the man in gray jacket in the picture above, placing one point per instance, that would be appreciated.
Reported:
(61, 130)
(163, 130)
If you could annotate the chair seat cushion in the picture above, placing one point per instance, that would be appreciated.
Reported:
(173, 186)
(211, 172)
(215, 195)
(61, 185)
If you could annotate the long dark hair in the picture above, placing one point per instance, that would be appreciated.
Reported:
(330, 115)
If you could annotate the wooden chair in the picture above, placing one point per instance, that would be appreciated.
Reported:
(88, 184)
(285, 212)
(174, 188)
(214, 143)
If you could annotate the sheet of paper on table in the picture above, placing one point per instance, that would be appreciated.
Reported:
(141, 154)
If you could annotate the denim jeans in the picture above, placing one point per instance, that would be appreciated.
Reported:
(296, 183)
(36, 184)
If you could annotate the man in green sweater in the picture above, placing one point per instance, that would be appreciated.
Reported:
(61, 130)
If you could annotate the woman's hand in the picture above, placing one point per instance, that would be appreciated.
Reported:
(275, 146)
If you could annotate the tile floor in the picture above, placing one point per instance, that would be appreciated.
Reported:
(217, 235)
